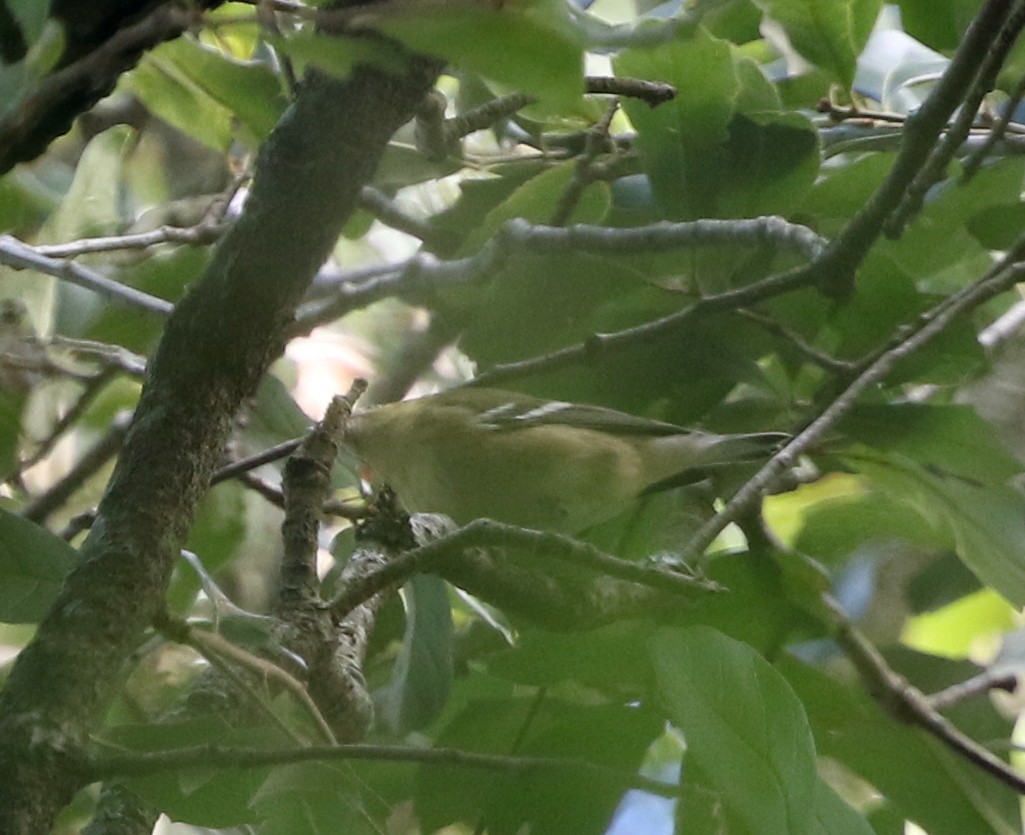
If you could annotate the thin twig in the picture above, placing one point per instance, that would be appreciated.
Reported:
(92, 389)
(652, 93)
(108, 766)
(386, 210)
(984, 682)
(599, 346)
(597, 140)
(57, 494)
(113, 357)
(251, 462)
(437, 136)
(214, 647)
(839, 113)
(20, 256)
(823, 360)
(997, 131)
(908, 704)
(261, 487)
(198, 235)
(79, 523)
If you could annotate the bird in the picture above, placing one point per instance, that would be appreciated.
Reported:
(472, 453)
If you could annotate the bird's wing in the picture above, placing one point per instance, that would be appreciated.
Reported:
(519, 412)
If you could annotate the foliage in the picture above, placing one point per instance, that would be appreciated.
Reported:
(879, 556)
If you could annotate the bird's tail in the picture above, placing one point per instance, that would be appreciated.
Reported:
(718, 453)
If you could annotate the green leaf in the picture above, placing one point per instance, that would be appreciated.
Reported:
(583, 293)
(91, 206)
(835, 528)
(14, 83)
(215, 536)
(843, 189)
(998, 226)
(23, 204)
(946, 463)
(949, 359)
(33, 565)
(546, 659)
(203, 795)
(721, 147)
(940, 24)
(680, 141)
(834, 817)
(747, 736)
(274, 417)
(736, 20)
(984, 524)
(884, 298)
(46, 50)
(699, 812)
(942, 439)
(536, 200)
(829, 33)
(338, 56)
(250, 91)
(422, 676)
(546, 800)
(165, 275)
(12, 411)
(925, 781)
(758, 609)
(325, 797)
(479, 197)
(42, 40)
(939, 242)
(771, 161)
(943, 581)
(167, 90)
(531, 46)
(31, 16)
(403, 165)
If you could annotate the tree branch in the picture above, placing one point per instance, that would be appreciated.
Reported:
(841, 261)
(527, 573)
(103, 41)
(1001, 277)
(908, 704)
(21, 256)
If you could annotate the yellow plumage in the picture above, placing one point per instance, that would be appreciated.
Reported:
(473, 453)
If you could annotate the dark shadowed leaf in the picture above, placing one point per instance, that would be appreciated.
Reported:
(33, 564)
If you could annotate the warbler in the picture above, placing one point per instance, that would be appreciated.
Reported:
(474, 453)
